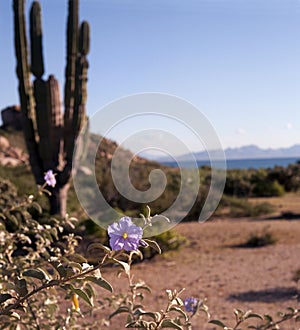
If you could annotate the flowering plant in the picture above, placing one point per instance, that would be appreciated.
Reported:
(40, 264)
(125, 235)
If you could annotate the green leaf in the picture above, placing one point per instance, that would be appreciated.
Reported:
(142, 286)
(89, 290)
(121, 309)
(35, 273)
(75, 265)
(268, 318)
(77, 258)
(62, 270)
(180, 311)
(137, 253)
(13, 219)
(21, 287)
(153, 245)
(4, 297)
(37, 206)
(141, 324)
(124, 265)
(155, 315)
(53, 232)
(84, 296)
(101, 282)
(98, 246)
(217, 322)
(170, 324)
(254, 315)
(15, 315)
(80, 293)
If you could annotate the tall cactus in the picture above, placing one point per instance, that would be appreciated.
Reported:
(50, 136)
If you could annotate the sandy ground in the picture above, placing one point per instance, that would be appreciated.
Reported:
(211, 265)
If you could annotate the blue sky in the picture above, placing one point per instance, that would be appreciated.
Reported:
(238, 61)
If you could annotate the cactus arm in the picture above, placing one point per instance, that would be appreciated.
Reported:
(42, 122)
(82, 66)
(25, 89)
(55, 124)
(40, 89)
(69, 91)
(79, 116)
(36, 50)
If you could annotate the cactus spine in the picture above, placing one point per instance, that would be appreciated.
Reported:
(50, 136)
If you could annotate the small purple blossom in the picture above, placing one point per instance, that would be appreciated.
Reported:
(50, 178)
(124, 235)
(190, 304)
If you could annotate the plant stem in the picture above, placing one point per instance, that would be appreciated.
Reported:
(49, 284)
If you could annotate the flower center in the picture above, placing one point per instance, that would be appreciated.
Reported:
(125, 235)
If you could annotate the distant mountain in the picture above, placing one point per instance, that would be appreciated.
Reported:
(245, 152)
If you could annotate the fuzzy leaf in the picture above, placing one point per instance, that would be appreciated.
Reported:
(21, 287)
(268, 318)
(35, 273)
(75, 265)
(254, 315)
(124, 265)
(101, 282)
(155, 315)
(121, 309)
(180, 311)
(89, 290)
(77, 258)
(37, 206)
(153, 245)
(15, 315)
(81, 294)
(142, 286)
(217, 322)
(170, 324)
(140, 324)
(62, 270)
(13, 219)
(98, 246)
(4, 297)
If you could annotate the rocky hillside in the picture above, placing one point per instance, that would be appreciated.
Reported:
(13, 157)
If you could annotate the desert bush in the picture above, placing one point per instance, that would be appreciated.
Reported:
(39, 263)
(260, 240)
(240, 207)
(238, 183)
(288, 177)
(39, 267)
(263, 186)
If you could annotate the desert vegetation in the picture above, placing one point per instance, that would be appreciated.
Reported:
(42, 255)
(60, 270)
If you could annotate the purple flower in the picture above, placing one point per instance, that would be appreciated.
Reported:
(50, 178)
(190, 304)
(124, 235)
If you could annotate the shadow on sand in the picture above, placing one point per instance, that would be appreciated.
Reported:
(267, 296)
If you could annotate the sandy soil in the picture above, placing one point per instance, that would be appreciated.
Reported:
(212, 265)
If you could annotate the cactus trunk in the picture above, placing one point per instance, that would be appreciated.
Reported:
(50, 136)
(58, 199)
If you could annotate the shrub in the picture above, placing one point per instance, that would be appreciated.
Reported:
(239, 207)
(259, 240)
(39, 263)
